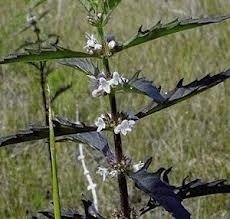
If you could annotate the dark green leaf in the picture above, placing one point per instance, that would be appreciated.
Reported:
(183, 92)
(95, 139)
(89, 212)
(156, 184)
(160, 30)
(146, 87)
(62, 127)
(83, 65)
(43, 55)
(163, 193)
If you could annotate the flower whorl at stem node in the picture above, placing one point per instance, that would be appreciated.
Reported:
(104, 86)
(124, 127)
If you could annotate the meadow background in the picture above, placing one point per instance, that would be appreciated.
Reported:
(192, 136)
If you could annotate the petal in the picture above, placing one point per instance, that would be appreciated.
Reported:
(99, 129)
(117, 129)
(96, 93)
(97, 46)
(107, 89)
(111, 44)
(124, 131)
(132, 123)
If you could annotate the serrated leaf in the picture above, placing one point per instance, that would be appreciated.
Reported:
(146, 87)
(83, 65)
(183, 92)
(156, 185)
(95, 139)
(90, 212)
(61, 127)
(197, 188)
(43, 55)
(160, 30)
(191, 189)
(159, 190)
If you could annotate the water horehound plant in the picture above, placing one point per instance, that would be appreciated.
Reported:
(106, 83)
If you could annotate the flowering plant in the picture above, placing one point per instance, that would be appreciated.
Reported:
(107, 82)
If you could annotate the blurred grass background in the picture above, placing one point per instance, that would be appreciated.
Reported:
(192, 136)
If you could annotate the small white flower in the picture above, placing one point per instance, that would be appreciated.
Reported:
(117, 79)
(111, 44)
(31, 18)
(99, 15)
(97, 46)
(125, 127)
(103, 172)
(92, 44)
(104, 85)
(96, 93)
(138, 166)
(113, 173)
(100, 123)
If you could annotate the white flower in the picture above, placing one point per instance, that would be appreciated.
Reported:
(111, 44)
(92, 44)
(99, 15)
(113, 173)
(103, 172)
(104, 85)
(97, 93)
(100, 123)
(31, 18)
(125, 127)
(97, 46)
(138, 166)
(117, 79)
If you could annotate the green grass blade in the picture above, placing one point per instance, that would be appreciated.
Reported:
(160, 30)
(43, 55)
(56, 198)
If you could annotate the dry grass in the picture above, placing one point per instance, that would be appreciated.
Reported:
(192, 136)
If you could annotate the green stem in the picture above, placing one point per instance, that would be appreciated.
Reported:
(56, 198)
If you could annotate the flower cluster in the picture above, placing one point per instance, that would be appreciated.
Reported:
(104, 172)
(104, 86)
(100, 123)
(93, 46)
(124, 127)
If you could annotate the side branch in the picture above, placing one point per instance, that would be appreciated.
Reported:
(61, 128)
(182, 92)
